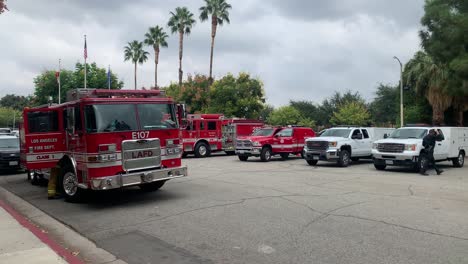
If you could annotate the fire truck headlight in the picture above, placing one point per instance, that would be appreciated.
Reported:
(256, 144)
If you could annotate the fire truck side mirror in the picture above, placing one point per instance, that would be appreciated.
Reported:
(181, 112)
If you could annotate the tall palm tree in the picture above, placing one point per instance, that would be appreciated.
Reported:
(218, 9)
(431, 80)
(181, 22)
(134, 52)
(156, 37)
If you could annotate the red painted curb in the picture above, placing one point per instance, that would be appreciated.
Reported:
(62, 252)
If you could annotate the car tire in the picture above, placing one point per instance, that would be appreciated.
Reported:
(243, 157)
(68, 186)
(265, 155)
(380, 167)
(151, 187)
(312, 162)
(202, 150)
(459, 161)
(343, 160)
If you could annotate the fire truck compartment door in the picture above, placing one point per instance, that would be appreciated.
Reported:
(44, 138)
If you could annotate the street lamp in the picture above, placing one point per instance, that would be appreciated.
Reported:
(401, 90)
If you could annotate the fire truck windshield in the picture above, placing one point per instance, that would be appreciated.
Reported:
(123, 117)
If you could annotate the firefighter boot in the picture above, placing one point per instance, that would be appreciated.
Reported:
(52, 186)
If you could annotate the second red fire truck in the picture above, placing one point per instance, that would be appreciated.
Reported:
(104, 139)
(203, 134)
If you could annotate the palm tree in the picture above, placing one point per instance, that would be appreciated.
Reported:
(218, 9)
(134, 52)
(181, 22)
(431, 80)
(156, 37)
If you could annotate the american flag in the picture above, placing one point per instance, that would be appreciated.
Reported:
(85, 49)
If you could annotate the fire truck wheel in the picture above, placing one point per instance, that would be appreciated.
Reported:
(284, 156)
(243, 157)
(202, 150)
(151, 187)
(265, 155)
(312, 162)
(68, 186)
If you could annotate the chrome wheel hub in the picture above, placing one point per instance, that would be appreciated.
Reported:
(202, 150)
(70, 183)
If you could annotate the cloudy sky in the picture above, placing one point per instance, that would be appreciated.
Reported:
(300, 49)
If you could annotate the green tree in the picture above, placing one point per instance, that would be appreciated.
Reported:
(16, 102)
(134, 52)
(45, 84)
(431, 80)
(351, 113)
(156, 37)
(237, 97)
(219, 12)
(194, 93)
(288, 115)
(181, 22)
(384, 109)
(331, 105)
(307, 109)
(9, 117)
(266, 112)
(443, 37)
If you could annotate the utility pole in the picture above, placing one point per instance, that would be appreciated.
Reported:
(401, 91)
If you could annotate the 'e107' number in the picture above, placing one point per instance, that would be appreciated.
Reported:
(140, 135)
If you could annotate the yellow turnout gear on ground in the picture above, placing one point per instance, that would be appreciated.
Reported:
(52, 186)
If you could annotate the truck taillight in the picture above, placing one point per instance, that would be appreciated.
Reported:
(107, 148)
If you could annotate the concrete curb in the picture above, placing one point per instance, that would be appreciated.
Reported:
(63, 235)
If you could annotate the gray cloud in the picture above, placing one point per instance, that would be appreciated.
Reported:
(300, 49)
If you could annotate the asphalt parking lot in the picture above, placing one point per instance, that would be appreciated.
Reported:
(229, 211)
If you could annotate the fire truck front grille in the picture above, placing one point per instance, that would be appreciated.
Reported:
(391, 147)
(243, 144)
(141, 154)
(317, 145)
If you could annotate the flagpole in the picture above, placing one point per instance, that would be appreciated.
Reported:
(59, 83)
(108, 77)
(85, 56)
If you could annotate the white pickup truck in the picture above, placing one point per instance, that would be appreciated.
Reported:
(404, 147)
(343, 144)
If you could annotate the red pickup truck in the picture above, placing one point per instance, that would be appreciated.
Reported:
(270, 141)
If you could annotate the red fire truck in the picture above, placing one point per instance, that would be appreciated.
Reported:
(104, 139)
(203, 134)
(269, 141)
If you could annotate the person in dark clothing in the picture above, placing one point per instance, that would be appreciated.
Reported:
(429, 142)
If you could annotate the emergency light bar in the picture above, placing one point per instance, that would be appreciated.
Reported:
(76, 94)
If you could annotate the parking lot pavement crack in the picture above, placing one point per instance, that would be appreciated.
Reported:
(148, 220)
(399, 226)
(410, 190)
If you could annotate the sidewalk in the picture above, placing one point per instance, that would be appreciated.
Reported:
(22, 242)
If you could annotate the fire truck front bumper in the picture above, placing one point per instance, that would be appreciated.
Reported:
(249, 152)
(137, 178)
